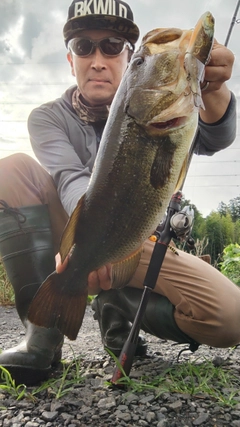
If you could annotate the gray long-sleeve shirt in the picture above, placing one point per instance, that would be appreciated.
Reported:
(66, 146)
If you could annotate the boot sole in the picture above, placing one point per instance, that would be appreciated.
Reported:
(141, 350)
(30, 375)
(27, 376)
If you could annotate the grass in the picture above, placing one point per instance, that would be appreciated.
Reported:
(7, 384)
(194, 379)
(59, 387)
(6, 290)
(198, 380)
(70, 377)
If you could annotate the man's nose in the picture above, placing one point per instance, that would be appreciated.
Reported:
(98, 59)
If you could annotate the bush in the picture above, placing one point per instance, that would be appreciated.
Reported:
(230, 266)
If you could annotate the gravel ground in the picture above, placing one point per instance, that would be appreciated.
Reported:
(93, 403)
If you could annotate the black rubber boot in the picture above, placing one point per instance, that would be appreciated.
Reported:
(28, 257)
(115, 311)
(114, 324)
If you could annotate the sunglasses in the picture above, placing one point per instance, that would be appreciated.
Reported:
(109, 46)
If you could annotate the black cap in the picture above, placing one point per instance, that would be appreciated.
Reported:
(114, 15)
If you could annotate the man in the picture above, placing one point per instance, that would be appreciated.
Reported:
(190, 304)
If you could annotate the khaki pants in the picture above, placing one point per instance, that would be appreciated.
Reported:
(207, 304)
(23, 182)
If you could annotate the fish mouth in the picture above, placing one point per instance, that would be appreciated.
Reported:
(177, 115)
(169, 124)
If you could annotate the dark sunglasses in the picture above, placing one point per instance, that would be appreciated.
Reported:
(109, 46)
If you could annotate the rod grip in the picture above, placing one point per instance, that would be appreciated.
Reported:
(125, 361)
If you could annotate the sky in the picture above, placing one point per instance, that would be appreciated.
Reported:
(34, 70)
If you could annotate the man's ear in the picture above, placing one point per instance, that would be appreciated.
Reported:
(70, 60)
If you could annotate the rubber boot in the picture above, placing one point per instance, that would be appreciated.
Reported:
(28, 257)
(114, 324)
(115, 311)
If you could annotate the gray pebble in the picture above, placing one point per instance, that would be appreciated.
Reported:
(92, 403)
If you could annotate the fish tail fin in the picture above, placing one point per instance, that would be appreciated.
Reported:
(52, 307)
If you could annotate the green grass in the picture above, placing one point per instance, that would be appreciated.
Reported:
(7, 384)
(198, 380)
(58, 387)
(70, 377)
(192, 378)
(195, 379)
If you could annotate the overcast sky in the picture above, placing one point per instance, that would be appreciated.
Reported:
(34, 70)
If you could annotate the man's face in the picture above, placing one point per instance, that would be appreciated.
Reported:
(98, 76)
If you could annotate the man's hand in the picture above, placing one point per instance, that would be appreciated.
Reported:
(216, 95)
(100, 279)
(97, 280)
(219, 68)
(60, 267)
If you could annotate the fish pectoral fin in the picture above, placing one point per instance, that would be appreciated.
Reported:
(161, 168)
(69, 232)
(55, 306)
(123, 270)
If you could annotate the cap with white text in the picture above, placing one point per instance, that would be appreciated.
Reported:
(114, 15)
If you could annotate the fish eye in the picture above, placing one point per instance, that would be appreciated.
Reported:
(139, 61)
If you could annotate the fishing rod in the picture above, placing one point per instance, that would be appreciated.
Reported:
(168, 232)
(193, 145)
(234, 21)
(128, 351)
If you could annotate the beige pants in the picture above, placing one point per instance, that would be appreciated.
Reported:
(23, 182)
(207, 304)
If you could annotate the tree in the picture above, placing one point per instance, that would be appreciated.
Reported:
(216, 231)
(220, 233)
(222, 209)
(237, 232)
(234, 208)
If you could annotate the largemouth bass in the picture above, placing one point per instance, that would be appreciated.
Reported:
(152, 122)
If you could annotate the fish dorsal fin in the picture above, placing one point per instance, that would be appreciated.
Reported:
(123, 270)
(68, 236)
